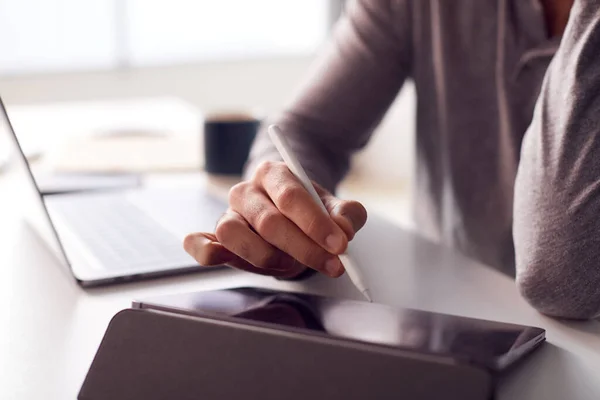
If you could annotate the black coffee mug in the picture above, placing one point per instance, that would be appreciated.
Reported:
(227, 141)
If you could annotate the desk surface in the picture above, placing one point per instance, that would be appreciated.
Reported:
(50, 328)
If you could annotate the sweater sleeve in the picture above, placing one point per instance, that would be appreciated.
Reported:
(347, 92)
(557, 191)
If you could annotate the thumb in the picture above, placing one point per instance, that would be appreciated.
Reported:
(349, 215)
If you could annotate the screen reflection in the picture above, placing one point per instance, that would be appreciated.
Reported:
(475, 340)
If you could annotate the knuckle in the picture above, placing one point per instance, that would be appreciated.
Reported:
(237, 191)
(267, 168)
(263, 169)
(227, 234)
(268, 223)
(287, 197)
(225, 229)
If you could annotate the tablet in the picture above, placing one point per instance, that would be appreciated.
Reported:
(488, 344)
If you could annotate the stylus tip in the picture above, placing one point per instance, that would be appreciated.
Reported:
(367, 295)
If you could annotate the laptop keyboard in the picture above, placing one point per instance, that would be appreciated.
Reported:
(122, 236)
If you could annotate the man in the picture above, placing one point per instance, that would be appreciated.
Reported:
(480, 69)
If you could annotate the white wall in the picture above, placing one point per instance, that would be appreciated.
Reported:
(262, 84)
(390, 154)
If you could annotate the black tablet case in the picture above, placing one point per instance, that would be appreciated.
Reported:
(149, 355)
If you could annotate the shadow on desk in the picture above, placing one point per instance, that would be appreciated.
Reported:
(550, 373)
(589, 327)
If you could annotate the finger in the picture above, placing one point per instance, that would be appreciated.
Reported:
(294, 201)
(350, 215)
(294, 270)
(234, 233)
(207, 251)
(260, 212)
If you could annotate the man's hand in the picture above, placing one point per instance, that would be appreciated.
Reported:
(274, 227)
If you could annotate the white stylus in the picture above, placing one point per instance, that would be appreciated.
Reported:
(294, 165)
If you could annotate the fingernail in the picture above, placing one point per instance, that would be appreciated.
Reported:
(333, 267)
(334, 242)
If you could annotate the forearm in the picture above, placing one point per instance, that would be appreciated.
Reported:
(347, 92)
(557, 190)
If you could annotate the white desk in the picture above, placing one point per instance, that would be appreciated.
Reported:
(50, 328)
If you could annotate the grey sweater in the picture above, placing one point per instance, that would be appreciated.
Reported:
(481, 68)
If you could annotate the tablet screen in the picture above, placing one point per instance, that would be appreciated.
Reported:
(480, 341)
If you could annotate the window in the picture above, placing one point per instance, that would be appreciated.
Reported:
(162, 32)
(70, 35)
(57, 35)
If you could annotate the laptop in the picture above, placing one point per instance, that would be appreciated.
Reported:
(104, 237)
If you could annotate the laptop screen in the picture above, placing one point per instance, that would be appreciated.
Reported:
(26, 195)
